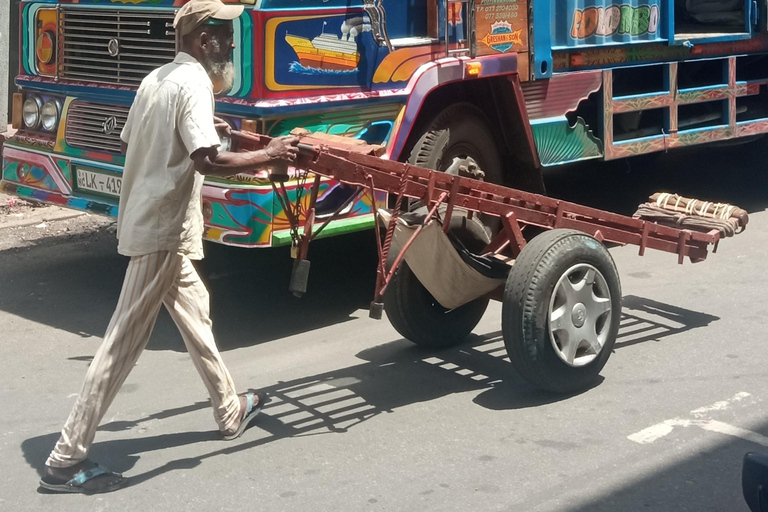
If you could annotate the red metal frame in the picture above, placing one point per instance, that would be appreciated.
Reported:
(516, 209)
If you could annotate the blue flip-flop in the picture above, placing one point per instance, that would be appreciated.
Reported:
(77, 483)
(252, 410)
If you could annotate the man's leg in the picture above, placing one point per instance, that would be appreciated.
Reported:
(147, 280)
(189, 305)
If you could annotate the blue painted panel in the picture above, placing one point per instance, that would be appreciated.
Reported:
(331, 50)
(584, 23)
(405, 18)
(542, 38)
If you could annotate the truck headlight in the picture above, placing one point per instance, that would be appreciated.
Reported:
(49, 115)
(31, 112)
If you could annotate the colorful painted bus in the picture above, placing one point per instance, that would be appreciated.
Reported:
(508, 87)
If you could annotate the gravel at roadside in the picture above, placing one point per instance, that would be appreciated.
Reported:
(24, 223)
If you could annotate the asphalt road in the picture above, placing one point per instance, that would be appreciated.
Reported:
(361, 419)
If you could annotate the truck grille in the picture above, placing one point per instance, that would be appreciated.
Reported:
(95, 127)
(112, 45)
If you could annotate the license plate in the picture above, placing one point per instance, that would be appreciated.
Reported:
(98, 182)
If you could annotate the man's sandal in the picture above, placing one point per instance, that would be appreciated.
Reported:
(92, 480)
(252, 410)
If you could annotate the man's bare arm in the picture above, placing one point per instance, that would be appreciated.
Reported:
(211, 162)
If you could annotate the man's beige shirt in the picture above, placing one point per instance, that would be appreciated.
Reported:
(160, 199)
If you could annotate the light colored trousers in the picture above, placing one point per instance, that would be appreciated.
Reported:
(150, 281)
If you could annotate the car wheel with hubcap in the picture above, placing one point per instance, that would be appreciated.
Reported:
(561, 310)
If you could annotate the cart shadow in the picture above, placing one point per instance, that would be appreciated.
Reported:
(394, 375)
(642, 320)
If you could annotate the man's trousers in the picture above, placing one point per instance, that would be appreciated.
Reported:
(150, 281)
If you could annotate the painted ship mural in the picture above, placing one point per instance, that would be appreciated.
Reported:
(327, 52)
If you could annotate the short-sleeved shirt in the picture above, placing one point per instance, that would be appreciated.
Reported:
(161, 195)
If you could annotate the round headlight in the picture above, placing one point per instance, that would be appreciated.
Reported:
(49, 115)
(31, 112)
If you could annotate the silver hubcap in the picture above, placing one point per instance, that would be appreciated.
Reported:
(580, 315)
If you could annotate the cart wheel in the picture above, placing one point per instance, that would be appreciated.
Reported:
(417, 316)
(561, 310)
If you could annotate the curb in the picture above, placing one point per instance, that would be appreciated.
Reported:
(47, 218)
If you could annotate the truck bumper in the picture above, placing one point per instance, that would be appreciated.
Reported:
(243, 214)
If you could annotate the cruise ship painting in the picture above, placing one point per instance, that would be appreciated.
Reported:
(329, 51)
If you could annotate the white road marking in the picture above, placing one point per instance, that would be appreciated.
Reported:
(730, 430)
(720, 406)
(701, 420)
(656, 432)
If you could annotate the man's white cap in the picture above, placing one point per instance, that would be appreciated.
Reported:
(196, 12)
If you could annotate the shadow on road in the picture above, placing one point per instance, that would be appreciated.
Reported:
(648, 320)
(395, 375)
(75, 287)
(250, 300)
(706, 480)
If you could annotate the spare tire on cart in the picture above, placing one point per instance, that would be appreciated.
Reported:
(561, 310)
(458, 135)
(417, 315)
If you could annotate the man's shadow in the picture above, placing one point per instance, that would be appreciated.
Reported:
(395, 375)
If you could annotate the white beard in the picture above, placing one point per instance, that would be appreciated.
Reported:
(223, 71)
(225, 74)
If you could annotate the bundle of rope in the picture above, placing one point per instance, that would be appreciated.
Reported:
(694, 214)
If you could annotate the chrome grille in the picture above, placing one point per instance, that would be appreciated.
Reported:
(94, 126)
(117, 46)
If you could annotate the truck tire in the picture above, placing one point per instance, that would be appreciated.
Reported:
(561, 310)
(417, 316)
(459, 131)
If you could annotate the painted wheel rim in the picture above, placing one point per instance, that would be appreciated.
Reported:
(579, 315)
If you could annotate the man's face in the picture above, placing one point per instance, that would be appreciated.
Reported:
(218, 56)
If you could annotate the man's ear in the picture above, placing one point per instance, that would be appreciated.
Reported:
(204, 41)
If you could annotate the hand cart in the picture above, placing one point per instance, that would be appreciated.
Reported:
(473, 241)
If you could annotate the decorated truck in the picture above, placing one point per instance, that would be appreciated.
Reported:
(496, 89)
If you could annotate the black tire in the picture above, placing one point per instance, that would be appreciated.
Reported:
(417, 316)
(459, 130)
(526, 308)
